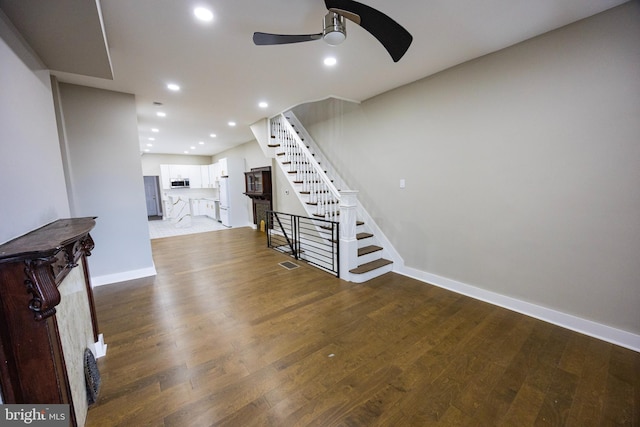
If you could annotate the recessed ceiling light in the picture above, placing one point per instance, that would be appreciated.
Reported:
(193, 147)
(232, 124)
(212, 135)
(146, 150)
(201, 143)
(173, 87)
(149, 145)
(155, 130)
(263, 105)
(186, 152)
(151, 139)
(330, 61)
(161, 114)
(203, 14)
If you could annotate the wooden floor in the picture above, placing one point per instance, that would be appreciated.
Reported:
(224, 335)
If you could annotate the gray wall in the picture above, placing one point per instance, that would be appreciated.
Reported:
(105, 176)
(522, 169)
(34, 193)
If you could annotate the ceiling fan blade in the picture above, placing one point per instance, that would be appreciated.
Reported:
(393, 36)
(269, 39)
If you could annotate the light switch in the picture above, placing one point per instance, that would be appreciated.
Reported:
(402, 183)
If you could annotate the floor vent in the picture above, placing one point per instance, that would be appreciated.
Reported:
(289, 265)
(92, 377)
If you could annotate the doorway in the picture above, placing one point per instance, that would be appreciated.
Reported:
(152, 196)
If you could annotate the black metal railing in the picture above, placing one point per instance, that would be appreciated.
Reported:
(313, 240)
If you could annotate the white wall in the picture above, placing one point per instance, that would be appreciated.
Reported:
(522, 169)
(151, 162)
(251, 156)
(105, 176)
(34, 193)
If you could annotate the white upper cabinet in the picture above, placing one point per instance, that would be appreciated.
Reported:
(165, 177)
(180, 171)
(194, 174)
(206, 177)
(214, 172)
(222, 164)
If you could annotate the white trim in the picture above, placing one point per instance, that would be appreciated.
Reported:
(109, 279)
(99, 347)
(568, 321)
(339, 98)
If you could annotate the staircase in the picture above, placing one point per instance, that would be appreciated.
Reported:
(319, 187)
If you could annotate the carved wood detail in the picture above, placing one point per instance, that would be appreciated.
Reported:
(41, 283)
(87, 245)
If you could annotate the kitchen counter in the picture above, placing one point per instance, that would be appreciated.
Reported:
(205, 206)
(179, 211)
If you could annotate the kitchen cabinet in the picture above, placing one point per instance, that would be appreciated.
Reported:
(214, 174)
(223, 164)
(194, 173)
(179, 171)
(195, 207)
(206, 177)
(195, 176)
(203, 207)
(165, 177)
(209, 208)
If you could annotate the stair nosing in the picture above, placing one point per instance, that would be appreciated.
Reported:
(370, 266)
(366, 250)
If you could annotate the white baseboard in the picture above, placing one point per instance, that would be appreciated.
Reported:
(568, 321)
(109, 279)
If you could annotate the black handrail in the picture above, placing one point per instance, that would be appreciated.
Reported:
(313, 240)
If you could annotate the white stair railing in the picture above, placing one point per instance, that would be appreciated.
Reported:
(306, 170)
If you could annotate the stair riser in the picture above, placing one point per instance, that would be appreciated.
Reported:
(361, 278)
(366, 242)
(369, 257)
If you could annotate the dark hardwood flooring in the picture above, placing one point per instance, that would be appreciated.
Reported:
(223, 335)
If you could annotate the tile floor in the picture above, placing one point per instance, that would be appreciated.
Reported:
(199, 224)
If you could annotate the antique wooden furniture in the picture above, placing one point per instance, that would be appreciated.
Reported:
(258, 188)
(47, 315)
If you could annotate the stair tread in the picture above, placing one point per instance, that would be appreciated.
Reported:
(368, 249)
(365, 268)
(361, 236)
(359, 222)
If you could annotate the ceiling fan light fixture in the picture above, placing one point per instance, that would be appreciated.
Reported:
(335, 30)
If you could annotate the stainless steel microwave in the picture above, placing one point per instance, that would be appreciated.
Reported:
(180, 183)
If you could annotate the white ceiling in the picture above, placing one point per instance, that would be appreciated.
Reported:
(223, 75)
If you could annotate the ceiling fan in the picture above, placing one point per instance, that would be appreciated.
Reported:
(388, 32)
